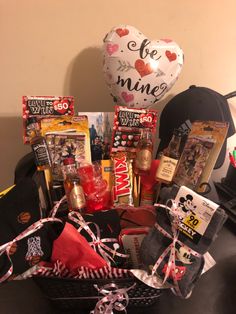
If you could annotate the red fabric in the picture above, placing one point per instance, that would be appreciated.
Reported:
(74, 251)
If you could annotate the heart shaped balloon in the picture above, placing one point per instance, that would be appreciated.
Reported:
(139, 71)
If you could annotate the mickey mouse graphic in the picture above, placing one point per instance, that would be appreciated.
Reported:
(182, 258)
(186, 204)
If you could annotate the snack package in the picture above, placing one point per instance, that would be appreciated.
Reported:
(131, 239)
(35, 108)
(206, 132)
(106, 166)
(66, 137)
(122, 191)
(128, 124)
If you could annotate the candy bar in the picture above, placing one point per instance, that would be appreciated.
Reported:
(131, 239)
(123, 179)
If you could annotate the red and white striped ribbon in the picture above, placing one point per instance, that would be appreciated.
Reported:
(53, 212)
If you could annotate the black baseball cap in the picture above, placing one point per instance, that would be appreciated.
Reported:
(195, 103)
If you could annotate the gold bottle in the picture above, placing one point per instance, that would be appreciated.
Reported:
(144, 152)
(169, 159)
(73, 190)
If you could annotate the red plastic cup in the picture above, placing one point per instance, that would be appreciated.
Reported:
(88, 187)
(100, 185)
(86, 172)
(98, 201)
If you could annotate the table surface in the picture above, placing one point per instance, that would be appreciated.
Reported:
(214, 293)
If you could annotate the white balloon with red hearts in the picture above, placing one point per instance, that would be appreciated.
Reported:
(139, 71)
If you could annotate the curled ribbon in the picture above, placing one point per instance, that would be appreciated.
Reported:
(97, 242)
(7, 246)
(171, 266)
(55, 208)
(115, 298)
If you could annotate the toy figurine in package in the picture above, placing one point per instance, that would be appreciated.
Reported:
(36, 108)
(193, 160)
(200, 153)
(128, 124)
(66, 137)
(217, 132)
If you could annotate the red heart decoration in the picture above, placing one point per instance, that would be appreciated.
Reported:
(142, 68)
(124, 137)
(166, 40)
(146, 119)
(127, 97)
(171, 55)
(122, 31)
(112, 48)
(61, 107)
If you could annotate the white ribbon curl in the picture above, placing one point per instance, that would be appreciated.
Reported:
(115, 298)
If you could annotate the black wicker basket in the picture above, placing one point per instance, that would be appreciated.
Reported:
(71, 294)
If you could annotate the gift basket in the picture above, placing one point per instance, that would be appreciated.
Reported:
(107, 286)
(86, 294)
(107, 226)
